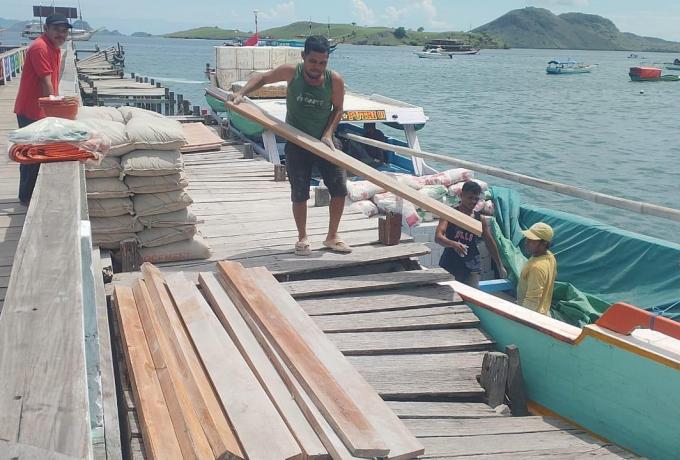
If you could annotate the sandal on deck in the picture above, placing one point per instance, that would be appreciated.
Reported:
(303, 248)
(337, 245)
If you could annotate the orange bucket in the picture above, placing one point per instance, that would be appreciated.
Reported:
(66, 107)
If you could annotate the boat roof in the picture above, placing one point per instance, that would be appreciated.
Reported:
(555, 61)
(358, 108)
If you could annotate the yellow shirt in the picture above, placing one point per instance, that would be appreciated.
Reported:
(535, 286)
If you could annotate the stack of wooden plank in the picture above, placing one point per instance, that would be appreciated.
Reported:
(200, 138)
(239, 370)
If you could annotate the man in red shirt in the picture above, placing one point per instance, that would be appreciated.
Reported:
(39, 78)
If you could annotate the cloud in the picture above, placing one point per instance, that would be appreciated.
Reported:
(280, 11)
(393, 14)
(423, 9)
(362, 12)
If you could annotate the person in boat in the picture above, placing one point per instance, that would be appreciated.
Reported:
(368, 153)
(39, 78)
(314, 102)
(535, 286)
(461, 255)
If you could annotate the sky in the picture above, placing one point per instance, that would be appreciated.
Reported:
(656, 18)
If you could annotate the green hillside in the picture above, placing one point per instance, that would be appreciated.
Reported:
(539, 28)
(345, 33)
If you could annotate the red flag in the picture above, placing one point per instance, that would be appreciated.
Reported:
(252, 41)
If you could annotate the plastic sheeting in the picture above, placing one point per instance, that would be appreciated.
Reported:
(597, 264)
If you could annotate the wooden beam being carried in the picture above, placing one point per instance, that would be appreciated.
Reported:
(342, 412)
(255, 113)
(259, 426)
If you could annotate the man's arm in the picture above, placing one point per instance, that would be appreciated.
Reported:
(46, 88)
(440, 237)
(284, 72)
(492, 247)
(337, 99)
(537, 279)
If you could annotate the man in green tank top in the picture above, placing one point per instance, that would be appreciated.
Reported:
(314, 102)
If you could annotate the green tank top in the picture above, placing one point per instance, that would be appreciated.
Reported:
(309, 107)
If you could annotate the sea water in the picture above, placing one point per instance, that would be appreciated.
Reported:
(598, 131)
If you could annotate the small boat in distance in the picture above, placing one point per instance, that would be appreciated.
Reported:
(641, 73)
(556, 67)
(434, 53)
(675, 65)
(451, 47)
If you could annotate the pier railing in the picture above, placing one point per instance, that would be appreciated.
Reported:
(48, 336)
(11, 63)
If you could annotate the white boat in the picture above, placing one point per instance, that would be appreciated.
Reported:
(434, 53)
(34, 29)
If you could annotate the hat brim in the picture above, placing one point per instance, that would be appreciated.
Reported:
(528, 234)
(61, 23)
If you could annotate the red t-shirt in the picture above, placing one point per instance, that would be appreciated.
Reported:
(42, 59)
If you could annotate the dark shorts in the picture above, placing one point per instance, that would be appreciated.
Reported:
(299, 163)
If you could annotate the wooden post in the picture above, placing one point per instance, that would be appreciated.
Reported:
(321, 196)
(389, 229)
(279, 173)
(196, 110)
(180, 100)
(186, 107)
(494, 377)
(171, 104)
(515, 385)
(248, 151)
(153, 82)
(146, 79)
(130, 258)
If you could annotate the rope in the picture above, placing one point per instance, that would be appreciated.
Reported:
(639, 207)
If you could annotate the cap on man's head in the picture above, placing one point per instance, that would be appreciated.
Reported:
(57, 20)
(539, 231)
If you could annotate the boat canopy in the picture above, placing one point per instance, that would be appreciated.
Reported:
(561, 62)
(597, 264)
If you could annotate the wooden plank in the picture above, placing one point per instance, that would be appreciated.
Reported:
(494, 377)
(43, 396)
(515, 383)
(485, 426)
(353, 284)
(159, 441)
(10, 450)
(190, 435)
(342, 412)
(400, 320)
(245, 401)
(561, 444)
(108, 383)
(417, 297)
(213, 419)
(402, 443)
(441, 410)
(363, 343)
(355, 166)
(261, 366)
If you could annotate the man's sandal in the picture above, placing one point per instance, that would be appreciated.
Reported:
(303, 248)
(337, 245)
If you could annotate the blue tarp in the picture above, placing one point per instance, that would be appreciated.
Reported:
(606, 262)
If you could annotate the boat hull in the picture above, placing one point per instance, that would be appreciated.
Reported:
(612, 384)
(425, 55)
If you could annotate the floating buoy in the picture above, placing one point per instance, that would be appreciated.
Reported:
(642, 91)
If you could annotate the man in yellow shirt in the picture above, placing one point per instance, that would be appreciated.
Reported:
(535, 287)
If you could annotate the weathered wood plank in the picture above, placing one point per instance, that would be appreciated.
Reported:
(485, 426)
(43, 396)
(400, 320)
(402, 444)
(515, 383)
(244, 399)
(307, 365)
(494, 377)
(368, 302)
(353, 284)
(262, 367)
(159, 441)
(363, 343)
(211, 414)
(441, 410)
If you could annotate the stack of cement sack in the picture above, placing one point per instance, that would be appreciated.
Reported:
(446, 186)
(237, 64)
(137, 192)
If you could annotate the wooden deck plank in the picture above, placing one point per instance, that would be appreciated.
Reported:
(441, 410)
(400, 320)
(485, 426)
(353, 284)
(363, 343)
(368, 302)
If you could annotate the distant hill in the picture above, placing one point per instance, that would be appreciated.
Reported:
(345, 33)
(107, 32)
(539, 28)
(141, 34)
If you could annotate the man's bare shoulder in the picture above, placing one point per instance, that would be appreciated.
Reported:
(335, 75)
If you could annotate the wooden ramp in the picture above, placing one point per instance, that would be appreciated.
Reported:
(12, 213)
